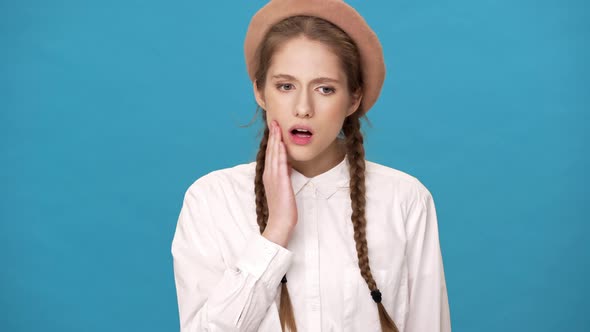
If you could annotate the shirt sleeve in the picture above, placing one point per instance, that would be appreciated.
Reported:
(212, 294)
(428, 300)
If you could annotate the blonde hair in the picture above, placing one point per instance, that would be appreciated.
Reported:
(321, 30)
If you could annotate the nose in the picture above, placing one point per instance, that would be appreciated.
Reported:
(303, 106)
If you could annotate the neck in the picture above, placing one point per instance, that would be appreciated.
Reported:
(321, 163)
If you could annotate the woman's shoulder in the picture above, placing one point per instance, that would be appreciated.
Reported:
(237, 176)
(389, 179)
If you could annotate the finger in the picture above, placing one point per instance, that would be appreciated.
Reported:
(282, 153)
(269, 145)
(283, 159)
(283, 156)
(279, 132)
(276, 148)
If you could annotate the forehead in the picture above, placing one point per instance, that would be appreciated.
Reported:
(306, 59)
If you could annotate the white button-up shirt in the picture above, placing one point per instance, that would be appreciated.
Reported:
(228, 276)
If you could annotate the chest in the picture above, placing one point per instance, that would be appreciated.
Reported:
(328, 290)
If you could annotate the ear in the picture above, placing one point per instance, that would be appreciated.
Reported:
(258, 95)
(356, 99)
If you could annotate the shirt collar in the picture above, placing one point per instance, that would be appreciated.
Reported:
(327, 183)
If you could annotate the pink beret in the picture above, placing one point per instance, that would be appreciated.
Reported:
(336, 12)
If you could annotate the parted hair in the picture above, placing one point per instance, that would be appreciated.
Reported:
(341, 44)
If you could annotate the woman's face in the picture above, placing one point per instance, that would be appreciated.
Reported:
(305, 86)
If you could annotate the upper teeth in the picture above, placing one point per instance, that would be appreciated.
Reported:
(302, 130)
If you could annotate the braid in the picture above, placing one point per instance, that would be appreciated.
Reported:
(286, 314)
(261, 206)
(356, 159)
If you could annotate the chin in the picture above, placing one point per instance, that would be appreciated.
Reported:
(301, 153)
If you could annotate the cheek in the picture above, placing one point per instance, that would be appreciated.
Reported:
(336, 101)
(278, 103)
(334, 109)
(277, 108)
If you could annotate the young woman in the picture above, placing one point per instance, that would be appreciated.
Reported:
(310, 236)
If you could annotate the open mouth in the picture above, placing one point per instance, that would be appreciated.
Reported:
(301, 133)
(301, 136)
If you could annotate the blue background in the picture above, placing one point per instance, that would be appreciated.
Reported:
(109, 110)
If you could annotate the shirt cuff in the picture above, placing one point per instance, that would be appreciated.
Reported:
(265, 260)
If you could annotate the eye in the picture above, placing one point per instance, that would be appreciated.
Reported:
(285, 86)
(326, 90)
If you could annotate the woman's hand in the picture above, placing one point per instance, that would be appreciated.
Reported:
(282, 208)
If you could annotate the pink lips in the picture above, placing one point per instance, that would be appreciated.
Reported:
(300, 138)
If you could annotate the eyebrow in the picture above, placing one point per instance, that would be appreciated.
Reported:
(315, 80)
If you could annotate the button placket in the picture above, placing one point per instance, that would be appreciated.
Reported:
(313, 301)
(314, 191)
